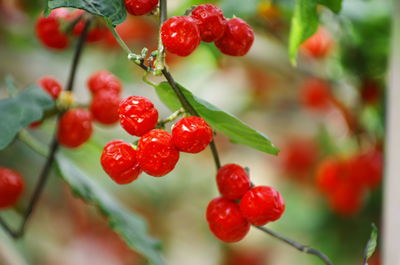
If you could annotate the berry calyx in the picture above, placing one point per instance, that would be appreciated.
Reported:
(157, 154)
(140, 7)
(104, 107)
(262, 204)
(48, 30)
(233, 181)
(11, 187)
(180, 35)
(315, 94)
(104, 80)
(192, 134)
(74, 128)
(226, 221)
(51, 86)
(137, 115)
(211, 22)
(119, 161)
(237, 39)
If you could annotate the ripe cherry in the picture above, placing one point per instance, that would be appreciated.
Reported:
(104, 107)
(346, 200)
(140, 7)
(315, 94)
(51, 86)
(74, 128)
(329, 174)
(211, 22)
(95, 33)
(226, 221)
(119, 161)
(104, 80)
(233, 181)
(49, 32)
(11, 187)
(318, 45)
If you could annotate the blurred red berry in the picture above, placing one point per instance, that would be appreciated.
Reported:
(96, 33)
(246, 256)
(211, 22)
(119, 161)
(315, 94)
(11, 187)
(226, 221)
(140, 7)
(329, 174)
(104, 80)
(49, 32)
(180, 35)
(370, 91)
(157, 154)
(318, 45)
(367, 168)
(74, 128)
(233, 181)
(346, 200)
(104, 107)
(237, 39)
(51, 86)
(261, 205)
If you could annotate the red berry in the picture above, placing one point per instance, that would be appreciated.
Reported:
(233, 181)
(140, 7)
(225, 220)
(119, 161)
(329, 174)
(211, 22)
(104, 80)
(370, 91)
(191, 134)
(237, 39)
(11, 187)
(315, 94)
(137, 115)
(366, 168)
(318, 45)
(262, 204)
(96, 33)
(48, 30)
(51, 86)
(157, 154)
(180, 35)
(74, 128)
(346, 200)
(104, 107)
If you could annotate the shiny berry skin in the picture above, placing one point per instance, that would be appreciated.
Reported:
(11, 187)
(74, 128)
(262, 204)
(157, 154)
(104, 80)
(318, 45)
(51, 86)
(119, 161)
(137, 115)
(104, 107)
(180, 35)
(192, 134)
(233, 181)
(211, 22)
(226, 221)
(315, 94)
(140, 7)
(237, 39)
(48, 30)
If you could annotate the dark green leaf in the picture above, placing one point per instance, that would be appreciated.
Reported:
(334, 5)
(131, 228)
(20, 111)
(372, 243)
(221, 121)
(112, 10)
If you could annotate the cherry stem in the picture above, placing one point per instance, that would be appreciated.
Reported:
(170, 118)
(296, 245)
(54, 146)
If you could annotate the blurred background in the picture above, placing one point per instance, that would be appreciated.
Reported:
(326, 115)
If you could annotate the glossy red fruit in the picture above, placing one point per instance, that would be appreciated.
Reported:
(104, 107)
(49, 32)
(137, 115)
(233, 181)
(262, 204)
(211, 22)
(180, 35)
(157, 154)
(192, 134)
(237, 39)
(226, 221)
(74, 128)
(11, 187)
(318, 45)
(119, 161)
(315, 94)
(104, 80)
(96, 33)
(140, 7)
(346, 200)
(51, 86)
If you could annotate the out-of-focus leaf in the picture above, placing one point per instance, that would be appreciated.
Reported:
(225, 123)
(20, 111)
(372, 243)
(334, 5)
(239, 8)
(131, 227)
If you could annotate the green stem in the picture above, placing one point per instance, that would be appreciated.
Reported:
(172, 117)
(34, 144)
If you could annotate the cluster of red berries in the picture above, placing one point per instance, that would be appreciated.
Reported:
(345, 181)
(229, 217)
(55, 30)
(157, 151)
(11, 187)
(182, 34)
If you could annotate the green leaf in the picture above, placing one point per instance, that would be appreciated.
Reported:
(20, 111)
(334, 5)
(372, 243)
(131, 228)
(225, 123)
(112, 10)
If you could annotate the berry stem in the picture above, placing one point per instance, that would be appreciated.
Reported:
(172, 117)
(34, 144)
(296, 245)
